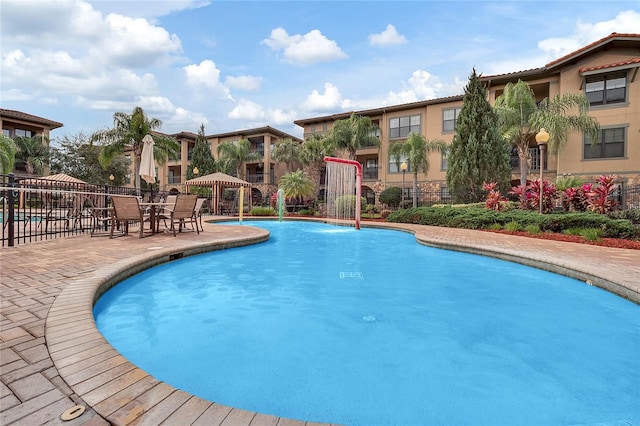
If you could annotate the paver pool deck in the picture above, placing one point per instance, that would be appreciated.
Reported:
(52, 357)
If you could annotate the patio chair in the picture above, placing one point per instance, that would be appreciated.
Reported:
(183, 211)
(165, 212)
(197, 212)
(100, 214)
(126, 209)
(61, 210)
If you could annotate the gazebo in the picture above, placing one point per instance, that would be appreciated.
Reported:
(218, 182)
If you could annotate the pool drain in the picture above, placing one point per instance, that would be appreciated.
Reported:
(351, 275)
(72, 413)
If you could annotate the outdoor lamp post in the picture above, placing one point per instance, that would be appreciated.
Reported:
(403, 167)
(542, 137)
(111, 179)
(196, 171)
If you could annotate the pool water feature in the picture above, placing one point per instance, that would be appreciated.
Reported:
(326, 323)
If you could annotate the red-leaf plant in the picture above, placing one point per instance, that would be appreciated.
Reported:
(599, 199)
(529, 195)
(494, 200)
(575, 199)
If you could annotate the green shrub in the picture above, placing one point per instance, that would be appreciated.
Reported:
(532, 229)
(263, 211)
(512, 226)
(633, 215)
(495, 227)
(391, 196)
(472, 217)
(591, 234)
(572, 231)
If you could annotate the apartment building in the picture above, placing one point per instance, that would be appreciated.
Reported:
(262, 174)
(17, 123)
(606, 71)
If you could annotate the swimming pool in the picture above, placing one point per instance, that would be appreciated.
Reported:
(318, 325)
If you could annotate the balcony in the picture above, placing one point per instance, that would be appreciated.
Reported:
(370, 174)
(174, 180)
(259, 178)
(534, 154)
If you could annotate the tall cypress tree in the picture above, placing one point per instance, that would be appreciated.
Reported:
(478, 152)
(201, 157)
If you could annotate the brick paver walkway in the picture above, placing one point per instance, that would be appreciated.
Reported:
(52, 358)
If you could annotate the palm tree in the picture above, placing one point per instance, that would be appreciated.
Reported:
(296, 185)
(127, 134)
(520, 118)
(33, 153)
(312, 154)
(234, 155)
(416, 150)
(287, 151)
(8, 151)
(353, 133)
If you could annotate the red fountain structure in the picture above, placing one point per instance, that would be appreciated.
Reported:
(358, 167)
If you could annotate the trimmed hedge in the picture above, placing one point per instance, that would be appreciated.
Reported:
(481, 218)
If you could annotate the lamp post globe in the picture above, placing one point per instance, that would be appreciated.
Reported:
(403, 167)
(542, 137)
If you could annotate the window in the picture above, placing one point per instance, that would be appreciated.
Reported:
(394, 166)
(449, 118)
(401, 127)
(444, 162)
(606, 89)
(24, 133)
(6, 132)
(610, 144)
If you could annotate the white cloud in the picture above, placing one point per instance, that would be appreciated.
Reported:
(244, 82)
(206, 74)
(422, 85)
(279, 117)
(305, 49)
(388, 37)
(586, 33)
(147, 8)
(247, 110)
(330, 99)
(135, 42)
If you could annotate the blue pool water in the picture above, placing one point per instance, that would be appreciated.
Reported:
(326, 323)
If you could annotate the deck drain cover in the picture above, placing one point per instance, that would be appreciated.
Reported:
(72, 413)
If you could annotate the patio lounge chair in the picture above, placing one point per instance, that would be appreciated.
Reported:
(183, 211)
(126, 209)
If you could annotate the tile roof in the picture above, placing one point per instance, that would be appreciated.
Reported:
(556, 62)
(613, 65)
(591, 46)
(19, 115)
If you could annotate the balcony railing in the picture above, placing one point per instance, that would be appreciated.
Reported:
(370, 174)
(534, 154)
(259, 178)
(174, 179)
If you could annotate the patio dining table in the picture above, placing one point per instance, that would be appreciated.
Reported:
(154, 209)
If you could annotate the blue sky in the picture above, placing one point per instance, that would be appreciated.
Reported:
(235, 65)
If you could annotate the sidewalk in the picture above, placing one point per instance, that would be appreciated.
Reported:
(52, 357)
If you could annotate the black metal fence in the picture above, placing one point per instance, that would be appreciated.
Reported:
(37, 209)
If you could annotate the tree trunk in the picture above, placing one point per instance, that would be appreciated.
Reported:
(523, 154)
(415, 189)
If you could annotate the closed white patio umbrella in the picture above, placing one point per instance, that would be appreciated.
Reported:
(147, 163)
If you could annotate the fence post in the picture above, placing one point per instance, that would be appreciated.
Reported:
(11, 211)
